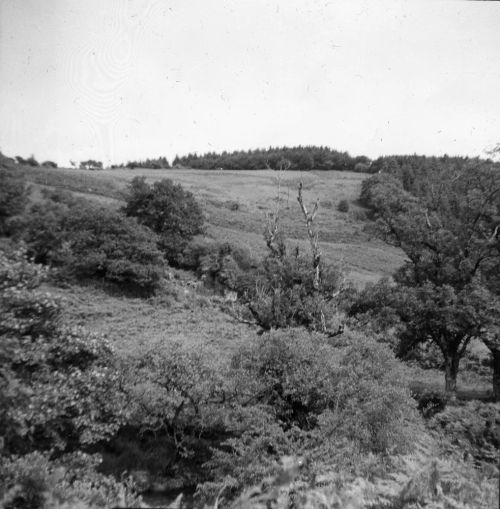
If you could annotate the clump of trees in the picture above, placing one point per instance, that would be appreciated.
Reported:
(30, 161)
(168, 210)
(276, 158)
(158, 163)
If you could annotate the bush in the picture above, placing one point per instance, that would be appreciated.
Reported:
(282, 293)
(300, 396)
(47, 369)
(13, 198)
(473, 428)
(34, 481)
(49, 164)
(87, 241)
(343, 206)
(168, 210)
(58, 395)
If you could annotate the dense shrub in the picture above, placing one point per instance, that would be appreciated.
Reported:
(47, 369)
(177, 391)
(343, 206)
(300, 396)
(58, 395)
(282, 293)
(221, 265)
(88, 241)
(473, 428)
(34, 481)
(13, 197)
(168, 210)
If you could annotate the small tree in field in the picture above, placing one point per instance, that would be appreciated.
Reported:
(168, 210)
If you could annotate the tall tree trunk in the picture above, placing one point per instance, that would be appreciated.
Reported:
(495, 352)
(451, 372)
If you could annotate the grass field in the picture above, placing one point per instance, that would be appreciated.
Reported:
(236, 202)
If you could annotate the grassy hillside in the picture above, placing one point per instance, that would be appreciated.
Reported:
(235, 204)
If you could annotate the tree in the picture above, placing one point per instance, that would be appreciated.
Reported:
(167, 209)
(448, 227)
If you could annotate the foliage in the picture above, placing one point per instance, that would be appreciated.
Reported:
(221, 265)
(91, 164)
(444, 214)
(473, 428)
(159, 163)
(47, 368)
(283, 294)
(33, 481)
(343, 206)
(30, 161)
(49, 164)
(413, 482)
(374, 306)
(298, 158)
(173, 392)
(301, 396)
(89, 241)
(13, 197)
(167, 209)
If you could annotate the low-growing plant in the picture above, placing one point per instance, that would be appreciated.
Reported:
(70, 482)
(472, 427)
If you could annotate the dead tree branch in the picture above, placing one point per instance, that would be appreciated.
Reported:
(312, 234)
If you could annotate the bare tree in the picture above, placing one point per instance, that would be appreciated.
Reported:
(312, 234)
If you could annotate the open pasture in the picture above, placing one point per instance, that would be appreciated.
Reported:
(236, 203)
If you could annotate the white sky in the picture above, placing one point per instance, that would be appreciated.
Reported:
(128, 79)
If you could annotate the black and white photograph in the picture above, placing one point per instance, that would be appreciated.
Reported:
(249, 254)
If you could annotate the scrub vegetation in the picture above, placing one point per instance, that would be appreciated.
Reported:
(238, 339)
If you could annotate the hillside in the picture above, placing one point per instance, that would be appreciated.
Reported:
(204, 392)
(236, 202)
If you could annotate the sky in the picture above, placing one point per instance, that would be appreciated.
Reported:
(121, 80)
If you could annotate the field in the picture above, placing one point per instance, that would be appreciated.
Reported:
(236, 203)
